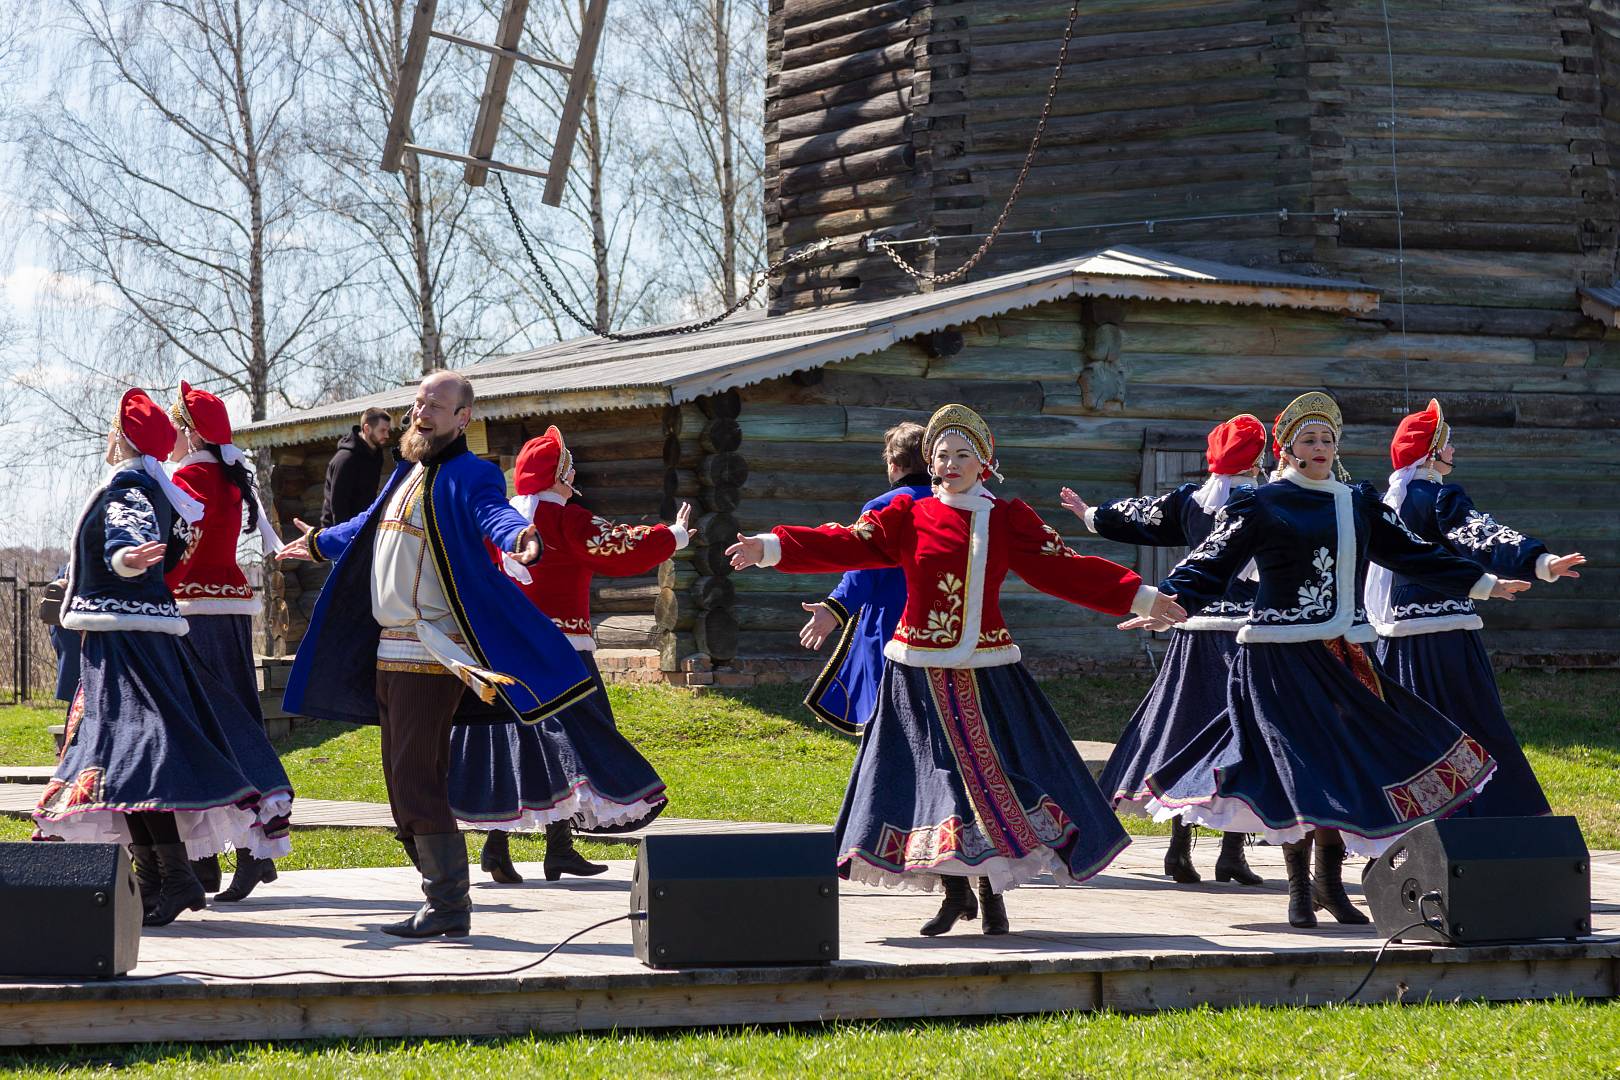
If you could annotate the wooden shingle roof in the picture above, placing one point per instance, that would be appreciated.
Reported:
(594, 373)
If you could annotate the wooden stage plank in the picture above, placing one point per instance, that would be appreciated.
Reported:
(1129, 941)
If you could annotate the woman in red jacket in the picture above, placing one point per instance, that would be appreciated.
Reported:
(964, 769)
(219, 604)
(573, 767)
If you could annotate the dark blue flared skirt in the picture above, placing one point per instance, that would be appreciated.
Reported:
(573, 766)
(1304, 743)
(221, 648)
(147, 734)
(1188, 693)
(968, 771)
(1452, 671)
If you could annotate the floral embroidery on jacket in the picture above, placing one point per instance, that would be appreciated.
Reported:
(615, 539)
(1143, 510)
(946, 624)
(864, 527)
(1438, 607)
(1481, 532)
(132, 512)
(1225, 528)
(1054, 544)
(1395, 519)
(1315, 597)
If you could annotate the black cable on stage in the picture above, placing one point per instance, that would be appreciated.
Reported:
(395, 974)
(1433, 924)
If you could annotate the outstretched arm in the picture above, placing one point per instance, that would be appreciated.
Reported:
(877, 539)
(1039, 556)
(1147, 520)
(1391, 544)
(1473, 534)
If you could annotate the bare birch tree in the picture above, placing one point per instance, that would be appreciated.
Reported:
(593, 247)
(166, 172)
(415, 226)
(706, 62)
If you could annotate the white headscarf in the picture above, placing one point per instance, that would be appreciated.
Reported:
(1380, 580)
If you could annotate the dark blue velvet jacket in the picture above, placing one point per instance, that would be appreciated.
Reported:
(868, 604)
(1175, 520)
(1311, 541)
(130, 510)
(1445, 515)
(334, 676)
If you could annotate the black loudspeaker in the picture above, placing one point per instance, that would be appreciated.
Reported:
(67, 910)
(724, 899)
(1497, 880)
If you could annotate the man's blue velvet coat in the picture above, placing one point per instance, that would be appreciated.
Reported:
(334, 676)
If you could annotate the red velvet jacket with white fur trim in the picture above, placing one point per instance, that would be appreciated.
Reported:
(956, 551)
(577, 546)
(207, 580)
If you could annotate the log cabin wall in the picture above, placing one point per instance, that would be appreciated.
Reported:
(1536, 440)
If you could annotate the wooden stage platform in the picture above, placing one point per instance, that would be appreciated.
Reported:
(1130, 941)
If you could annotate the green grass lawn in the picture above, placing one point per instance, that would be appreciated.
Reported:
(1553, 1040)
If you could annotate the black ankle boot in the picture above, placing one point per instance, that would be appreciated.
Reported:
(1327, 885)
(1178, 865)
(1231, 864)
(178, 888)
(1301, 911)
(561, 858)
(496, 859)
(251, 872)
(994, 909)
(958, 904)
(147, 877)
(207, 872)
(445, 883)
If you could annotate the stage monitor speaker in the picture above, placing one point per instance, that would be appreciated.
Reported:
(67, 910)
(725, 899)
(1497, 880)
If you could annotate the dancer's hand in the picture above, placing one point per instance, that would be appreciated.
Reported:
(1506, 587)
(821, 623)
(683, 516)
(1564, 566)
(299, 548)
(747, 551)
(142, 556)
(1165, 609)
(527, 549)
(1073, 503)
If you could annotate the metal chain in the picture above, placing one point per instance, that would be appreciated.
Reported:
(641, 335)
(1018, 185)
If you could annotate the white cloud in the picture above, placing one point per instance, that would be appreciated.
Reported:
(30, 286)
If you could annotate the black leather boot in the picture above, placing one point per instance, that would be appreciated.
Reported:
(496, 859)
(994, 909)
(1301, 910)
(561, 858)
(958, 904)
(1327, 883)
(207, 872)
(147, 877)
(251, 872)
(448, 911)
(178, 888)
(1178, 865)
(1231, 864)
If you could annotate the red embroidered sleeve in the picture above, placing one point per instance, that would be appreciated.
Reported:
(1039, 555)
(876, 539)
(613, 549)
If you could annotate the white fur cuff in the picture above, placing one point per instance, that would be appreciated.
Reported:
(1091, 518)
(122, 568)
(682, 536)
(1482, 588)
(1544, 567)
(773, 549)
(1142, 603)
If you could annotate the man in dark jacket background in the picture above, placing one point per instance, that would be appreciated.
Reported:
(355, 472)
